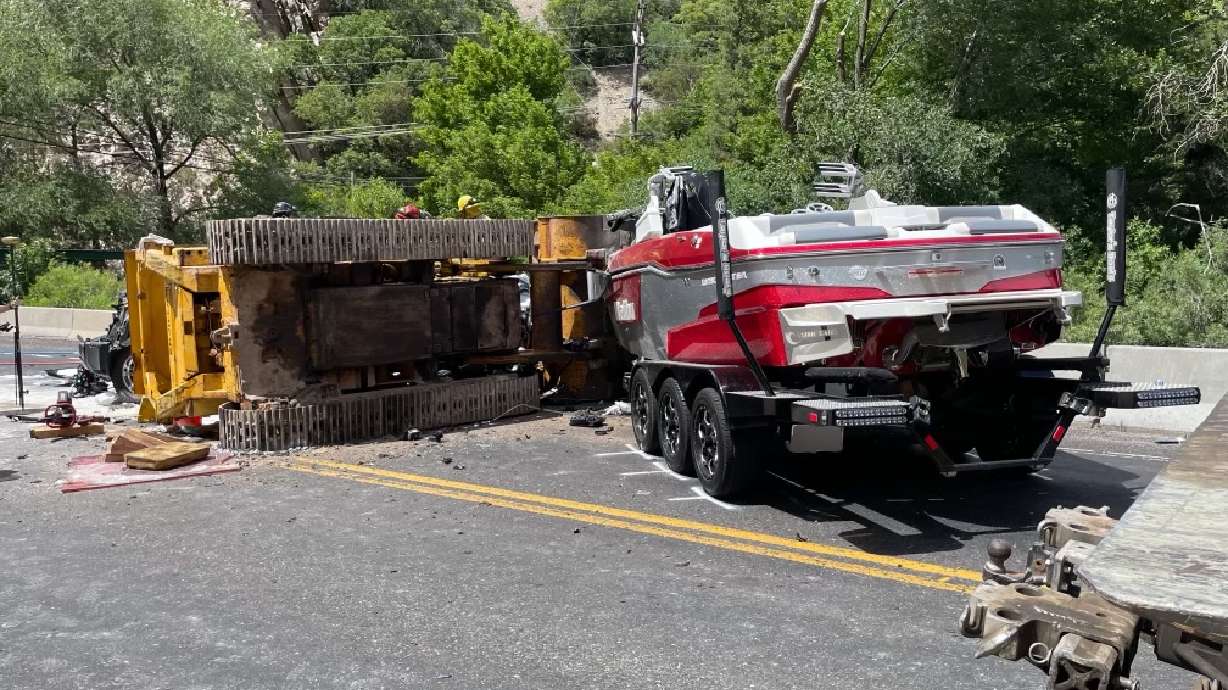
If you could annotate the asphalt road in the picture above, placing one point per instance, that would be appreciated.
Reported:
(37, 354)
(526, 555)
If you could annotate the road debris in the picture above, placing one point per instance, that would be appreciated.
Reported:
(130, 440)
(621, 408)
(94, 472)
(588, 418)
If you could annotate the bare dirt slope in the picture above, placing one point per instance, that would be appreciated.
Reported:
(610, 105)
(530, 10)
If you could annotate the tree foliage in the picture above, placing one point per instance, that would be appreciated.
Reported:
(144, 86)
(120, 116)
(490, 129)
(74, 286)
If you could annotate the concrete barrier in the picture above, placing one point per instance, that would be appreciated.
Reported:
(47, 322)
(1206, 368)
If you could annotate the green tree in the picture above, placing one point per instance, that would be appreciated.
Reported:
(1063, 82)
(374, 198)
(491, 130)
(354, 88)
(155, 86)
(599, 33)
(74, 286)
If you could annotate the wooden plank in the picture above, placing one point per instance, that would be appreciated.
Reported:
(68, 431)
(1168, 557)
(166, 456)
(129, 440)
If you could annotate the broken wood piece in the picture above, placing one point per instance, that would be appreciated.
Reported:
(67, 431)
(166, 455)
(129, 440)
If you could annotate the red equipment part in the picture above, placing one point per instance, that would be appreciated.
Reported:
(62, 414)
(408, 212)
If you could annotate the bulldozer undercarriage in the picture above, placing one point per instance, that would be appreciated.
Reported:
(302, 332)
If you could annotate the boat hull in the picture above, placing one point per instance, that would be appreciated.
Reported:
(663, 294)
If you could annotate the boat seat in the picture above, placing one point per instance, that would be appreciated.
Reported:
(786, 222)
(954, 214)
(838, 233)
(826, 226)
(993, 227)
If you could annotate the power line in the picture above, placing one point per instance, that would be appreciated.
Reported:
(352, 128)
(363, 83)
(371, 62)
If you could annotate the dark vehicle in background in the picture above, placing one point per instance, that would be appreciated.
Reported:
(109, 357)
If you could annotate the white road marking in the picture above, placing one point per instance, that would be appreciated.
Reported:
(878, 519)
(701, 495)
(631, 450)
(661, 466)
(1111, 454)
(639, 472)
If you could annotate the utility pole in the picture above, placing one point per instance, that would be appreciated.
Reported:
(12, 243)
(637, 40)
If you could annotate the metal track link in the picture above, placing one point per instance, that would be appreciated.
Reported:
(272, 241)
(367, 416)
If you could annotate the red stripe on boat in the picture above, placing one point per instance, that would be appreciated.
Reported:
(694, 248)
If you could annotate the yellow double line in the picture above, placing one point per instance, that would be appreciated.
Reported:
(839, 558)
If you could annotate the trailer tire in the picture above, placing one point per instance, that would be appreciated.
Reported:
(674, 427)
(724, 462)
(644, 413)
(122, 369)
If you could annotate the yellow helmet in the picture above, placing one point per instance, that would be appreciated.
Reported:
(464, 202)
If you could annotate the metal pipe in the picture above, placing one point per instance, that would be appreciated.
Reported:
(1103, 333)
(21, 392)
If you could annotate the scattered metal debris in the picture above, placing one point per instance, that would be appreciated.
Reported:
(588, 418)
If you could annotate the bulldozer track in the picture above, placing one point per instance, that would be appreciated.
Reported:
(272, 241)
(366, 416)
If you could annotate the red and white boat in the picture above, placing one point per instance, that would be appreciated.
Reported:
(874, 285)
(799, 327)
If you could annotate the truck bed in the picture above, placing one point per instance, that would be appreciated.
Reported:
(1168, 558)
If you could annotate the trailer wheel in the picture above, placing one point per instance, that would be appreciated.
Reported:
(644, 413)
(122, 368)
(725, 464)
(674, 427)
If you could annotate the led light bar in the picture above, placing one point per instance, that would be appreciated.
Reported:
(1129, 396)
(852, 413)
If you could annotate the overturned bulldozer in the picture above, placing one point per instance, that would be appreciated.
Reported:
(302, 332)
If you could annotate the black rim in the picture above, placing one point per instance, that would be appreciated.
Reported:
(707, 448)
(126, 372)
(671, 436)
(640, 405)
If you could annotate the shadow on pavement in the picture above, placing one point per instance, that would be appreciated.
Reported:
(904, 507)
